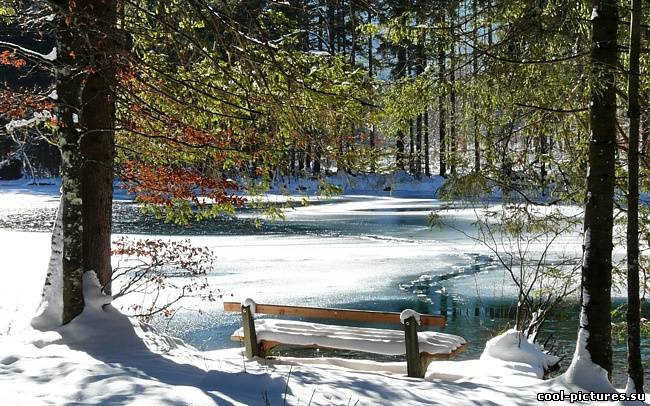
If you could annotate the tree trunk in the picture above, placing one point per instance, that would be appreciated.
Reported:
(68, 87)
(419, 69)
(97, 119)
(453, 141)
(634, 366)
(353, 34)
(317, 158)
(595, 323)
(331, 27)
(543, 151)
(475, 126)
(441, 109)
(401, 71)
(411, 148)
(292, 162)
(307, 164)
(301, 161)
(427, 164)
(97, 178)
(373, 166)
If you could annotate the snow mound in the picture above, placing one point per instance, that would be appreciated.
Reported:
(249, 302)
(513, 347)
(583, 373)
(407, 314)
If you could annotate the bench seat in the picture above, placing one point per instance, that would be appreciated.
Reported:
(273, 332)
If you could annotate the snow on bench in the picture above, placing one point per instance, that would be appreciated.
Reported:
(260, 336)
(372, 340)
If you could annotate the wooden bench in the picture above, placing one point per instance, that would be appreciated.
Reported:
(420, 348)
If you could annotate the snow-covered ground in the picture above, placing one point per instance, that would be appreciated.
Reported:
(103, 357)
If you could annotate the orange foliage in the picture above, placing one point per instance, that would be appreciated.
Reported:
(19, 105)
(9, 58)
(161, 185)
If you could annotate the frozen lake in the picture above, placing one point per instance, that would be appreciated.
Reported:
(362, 252)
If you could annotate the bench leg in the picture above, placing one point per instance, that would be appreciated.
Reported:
(413, 362)
(250, 337)
(425, 360)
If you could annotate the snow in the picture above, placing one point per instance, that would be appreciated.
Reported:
(103, 357)
(37, 118)
(407, 314)
(594, 13)
(51, 56)
(583, 372)
(250, 303)
(51, 308)
(399, 183)
(513, 346)
(372, 340)
(630, 387)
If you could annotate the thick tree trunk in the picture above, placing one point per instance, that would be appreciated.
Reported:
(595, 324)
(634, 366)
(97, 119)
(97, 177)
(84, 81)
(68, 88)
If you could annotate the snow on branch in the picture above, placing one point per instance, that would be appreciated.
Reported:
(50, 57)
(37, 118)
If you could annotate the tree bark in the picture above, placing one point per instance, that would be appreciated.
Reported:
(317, 158)
(634, 366)
(441, 109)
(427, 164)
(69, 79)
(401, 71)
(453, 141)
(411, 148)
(97, 178)
(97, 119)
(475, 126)
(598, 222)
(372, 141)
(420, 64)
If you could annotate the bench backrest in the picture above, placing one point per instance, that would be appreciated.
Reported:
(336, 314)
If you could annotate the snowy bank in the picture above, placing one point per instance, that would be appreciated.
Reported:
(103, 357)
